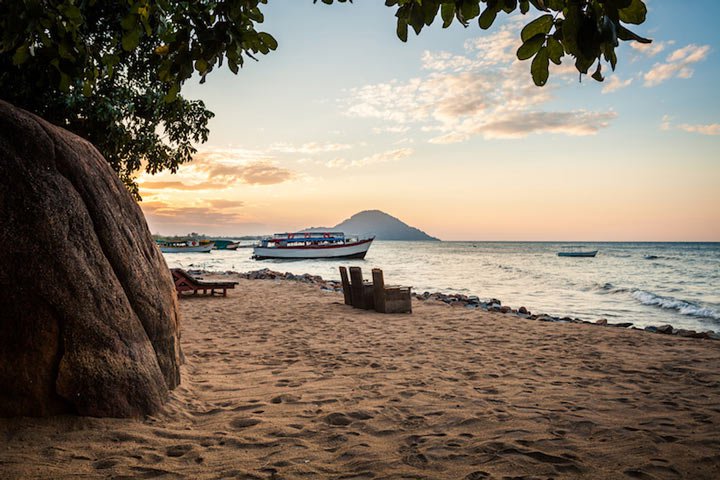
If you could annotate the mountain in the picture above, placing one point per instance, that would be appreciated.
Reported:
(380, 224)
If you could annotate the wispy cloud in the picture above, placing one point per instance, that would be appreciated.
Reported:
(651, 49)
(309, 148)
(229, 166)
(382, 157)
(703, 129)
(614, 84)
(708, 129)
(206, 215)
(485, 91)
(175, 185)
(677, 64)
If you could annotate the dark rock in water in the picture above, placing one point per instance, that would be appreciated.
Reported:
(523, 310)
(88, 313)
(505, 309)
(622, 325)
(494, 301)
(602, 321)
(666, 329)
(650, 328)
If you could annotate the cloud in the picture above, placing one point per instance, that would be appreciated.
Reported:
(164, 213)
(175, 185)
(382, 157)
(228, 166)
(677, 64)
(310, 147)
(614, 84)
(709, 129)
(484, 91)
(651, 49)
(703, 129)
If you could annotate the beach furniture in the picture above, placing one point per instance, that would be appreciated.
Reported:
(184, 282)
(390, 298)
(346, 286)
(360, 290)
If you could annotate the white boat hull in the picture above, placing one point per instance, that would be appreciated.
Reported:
(355, 250)
(198, 249)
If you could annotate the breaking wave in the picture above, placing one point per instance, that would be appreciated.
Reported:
(670, 303)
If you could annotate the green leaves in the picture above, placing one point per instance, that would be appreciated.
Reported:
(487, 17)
(635, 13)
(539, 67)
(123, 63)
(542, 24)
(531, 47)
(447, 11)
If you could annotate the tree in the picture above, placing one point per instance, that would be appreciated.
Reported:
(112, 70)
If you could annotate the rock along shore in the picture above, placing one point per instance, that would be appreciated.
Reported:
(465, 301)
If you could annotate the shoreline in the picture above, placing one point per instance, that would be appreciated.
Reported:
(467, 301)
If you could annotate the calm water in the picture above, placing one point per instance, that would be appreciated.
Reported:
(643, 283)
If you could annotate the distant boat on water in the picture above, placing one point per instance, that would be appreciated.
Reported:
(185, 246)
(577, 251)
(311, 245)
(224, 244)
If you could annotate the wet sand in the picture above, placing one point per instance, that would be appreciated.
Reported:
(283, 381)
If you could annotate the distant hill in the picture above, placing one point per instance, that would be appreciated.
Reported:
(380, 224)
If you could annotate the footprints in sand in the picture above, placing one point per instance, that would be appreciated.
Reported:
(341, 394)
(244, 422)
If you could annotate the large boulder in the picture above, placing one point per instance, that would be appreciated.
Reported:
(88, 313)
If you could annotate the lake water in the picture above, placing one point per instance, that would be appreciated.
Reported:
(643, 283)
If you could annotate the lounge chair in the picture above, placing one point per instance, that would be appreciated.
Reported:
(184, 282)
(376, 295)
(361, 291)
(390, 298)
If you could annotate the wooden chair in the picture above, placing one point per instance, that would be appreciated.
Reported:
(361, 291)
(390, 298)
(347, 292)
(184, 282)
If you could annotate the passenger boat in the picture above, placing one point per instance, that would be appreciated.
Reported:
(186, 246)
(577, 252)
(308, 245)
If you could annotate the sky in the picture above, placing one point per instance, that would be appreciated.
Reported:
(448, 133)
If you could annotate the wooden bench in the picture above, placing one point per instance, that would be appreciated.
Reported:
(184, 282)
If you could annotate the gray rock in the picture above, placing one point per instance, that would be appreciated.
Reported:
(666, 329)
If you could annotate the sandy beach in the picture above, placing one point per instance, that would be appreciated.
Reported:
(283, 381)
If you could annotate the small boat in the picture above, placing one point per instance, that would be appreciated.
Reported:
(577, 252)
(309, 245)
(186, 246)
(224, 244)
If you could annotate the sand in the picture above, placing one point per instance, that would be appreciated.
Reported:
(283, 381)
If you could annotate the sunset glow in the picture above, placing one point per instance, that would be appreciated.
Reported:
(448, 133)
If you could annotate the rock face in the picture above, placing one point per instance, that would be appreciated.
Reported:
(88, 314)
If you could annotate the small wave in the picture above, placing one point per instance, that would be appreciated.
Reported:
(670, 303)
(609, 288)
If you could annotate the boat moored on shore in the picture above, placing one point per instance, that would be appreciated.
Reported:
(311, 245)
(186, 246)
